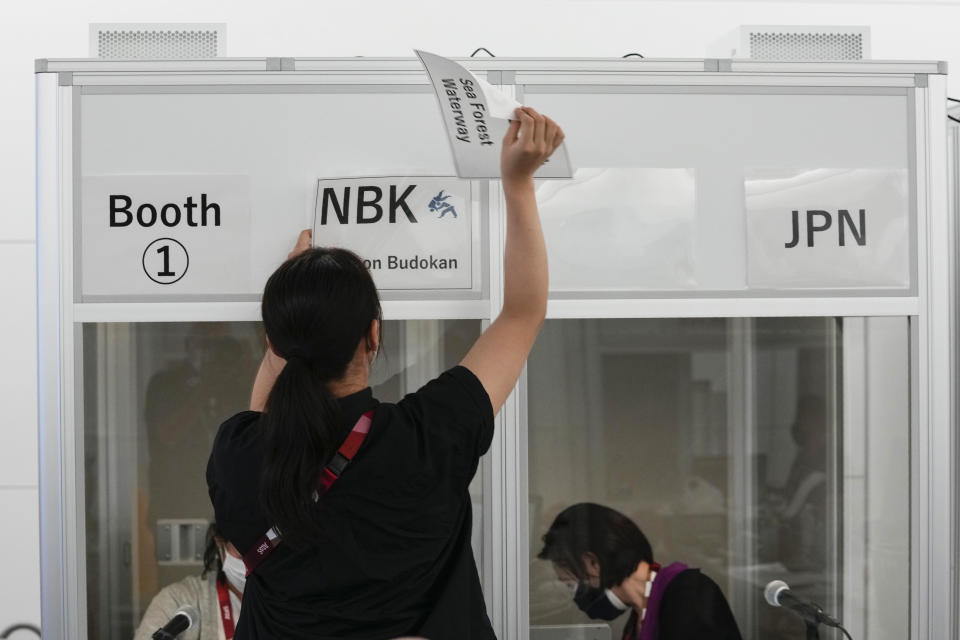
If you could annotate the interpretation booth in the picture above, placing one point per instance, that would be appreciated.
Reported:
(749, 348)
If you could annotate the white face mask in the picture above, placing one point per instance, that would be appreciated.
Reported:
(235, 571)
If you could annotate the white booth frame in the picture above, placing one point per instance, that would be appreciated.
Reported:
(953, 154)
(931, 306)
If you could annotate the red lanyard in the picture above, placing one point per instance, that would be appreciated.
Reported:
(226, 609)
(331, 473)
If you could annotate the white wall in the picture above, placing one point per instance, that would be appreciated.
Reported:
(58, 28)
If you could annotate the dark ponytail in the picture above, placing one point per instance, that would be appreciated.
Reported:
(317, 308)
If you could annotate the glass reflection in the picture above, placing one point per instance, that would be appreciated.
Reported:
(154, 396)
(723, 440)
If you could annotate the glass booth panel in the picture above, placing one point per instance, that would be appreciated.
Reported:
(753, 449)
(154, 396)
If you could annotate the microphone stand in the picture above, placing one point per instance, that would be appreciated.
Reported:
(812, 624)
(811, 614)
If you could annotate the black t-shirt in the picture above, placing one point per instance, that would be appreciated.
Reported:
(394, 558)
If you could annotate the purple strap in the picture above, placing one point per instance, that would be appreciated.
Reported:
(650, 625)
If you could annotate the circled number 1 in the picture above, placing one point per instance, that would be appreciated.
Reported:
(166, 273)
(165, 261)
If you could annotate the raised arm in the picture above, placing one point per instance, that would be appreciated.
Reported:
(498, 356)
(272, 364)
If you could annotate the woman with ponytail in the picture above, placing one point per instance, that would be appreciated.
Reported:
(353, 515)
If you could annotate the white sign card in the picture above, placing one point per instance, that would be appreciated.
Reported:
(150, 235)
(623, 229)
(413, 233)
(827, 228)
(476, 116)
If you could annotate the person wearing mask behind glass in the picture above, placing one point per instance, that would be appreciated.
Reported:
(216, 594)
(608, 564)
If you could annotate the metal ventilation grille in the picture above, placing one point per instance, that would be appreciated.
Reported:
(158, 44)
(806, 46)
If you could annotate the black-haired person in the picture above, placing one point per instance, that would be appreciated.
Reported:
(605, 557)
(216, 594)
(379, 548)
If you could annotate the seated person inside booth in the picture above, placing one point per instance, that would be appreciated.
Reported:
(608, 564)
(222, 580)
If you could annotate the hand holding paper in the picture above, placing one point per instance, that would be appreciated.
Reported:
(476, 115)
(530, 140)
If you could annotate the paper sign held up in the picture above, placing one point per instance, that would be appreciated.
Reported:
(476, 116)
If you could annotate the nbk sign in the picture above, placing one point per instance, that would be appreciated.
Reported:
(413, 233)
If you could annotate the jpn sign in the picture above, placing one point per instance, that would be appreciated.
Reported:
(827, 228)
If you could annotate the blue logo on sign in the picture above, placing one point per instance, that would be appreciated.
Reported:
(438, 204)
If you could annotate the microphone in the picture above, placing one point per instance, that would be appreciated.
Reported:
(777, 594)
(185, 617)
